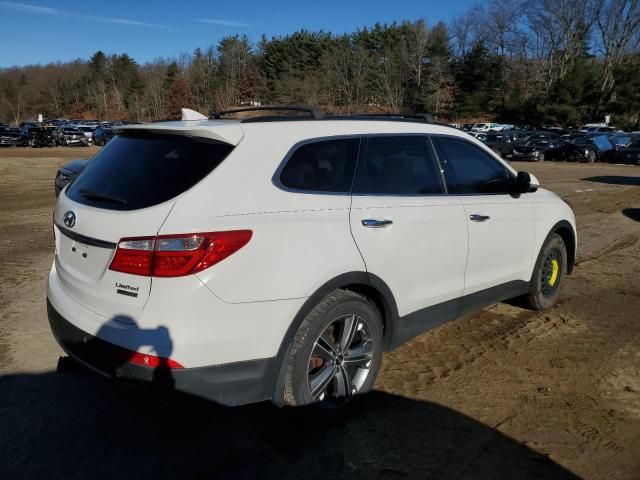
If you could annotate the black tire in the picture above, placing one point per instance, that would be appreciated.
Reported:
(325, 317)
(549, 273)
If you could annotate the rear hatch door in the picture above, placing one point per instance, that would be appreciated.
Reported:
(127, 190)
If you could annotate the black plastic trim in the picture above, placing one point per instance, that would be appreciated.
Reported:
(418, 322)
(92, 242)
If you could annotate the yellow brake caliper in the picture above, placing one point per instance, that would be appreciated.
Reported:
(554, 274)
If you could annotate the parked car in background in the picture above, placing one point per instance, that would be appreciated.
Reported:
(87, 130)
(71, 137)
(553, 129)
(611, 130)
(591, 127)
(35, 136)
(516, 135)
(623, 140)
(9, 137)
(485, 127)
(533, 150)
(581, 148)
(102, 135)
(501, 143)
(466, 127)
(629, 155)
(541, 135)
(67, 174)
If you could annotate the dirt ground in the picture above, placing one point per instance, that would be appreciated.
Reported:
(504, 393)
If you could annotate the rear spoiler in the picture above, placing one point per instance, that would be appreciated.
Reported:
(226, 131)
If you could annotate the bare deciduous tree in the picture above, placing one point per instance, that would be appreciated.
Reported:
(619, 26)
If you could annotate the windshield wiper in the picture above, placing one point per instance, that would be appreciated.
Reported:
(103, 197)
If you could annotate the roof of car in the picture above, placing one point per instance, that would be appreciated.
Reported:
(232, 130)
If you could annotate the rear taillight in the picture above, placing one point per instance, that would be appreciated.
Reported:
(152, 361)
(176, 255)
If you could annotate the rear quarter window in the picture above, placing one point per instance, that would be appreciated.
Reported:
(136, 171)
(321, 166)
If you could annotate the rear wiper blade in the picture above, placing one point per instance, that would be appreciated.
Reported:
(105, 197)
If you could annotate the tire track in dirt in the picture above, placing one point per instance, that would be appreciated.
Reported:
(454, 347)
(620, 244)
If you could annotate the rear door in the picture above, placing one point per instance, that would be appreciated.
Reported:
(127, 190)
(410, 234)
(501, 226)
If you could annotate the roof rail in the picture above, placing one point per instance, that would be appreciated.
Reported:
(312, 111)
(425, 117)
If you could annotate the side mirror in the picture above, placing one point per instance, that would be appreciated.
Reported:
(523, 184)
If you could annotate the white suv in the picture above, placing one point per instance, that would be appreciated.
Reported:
(278, 257)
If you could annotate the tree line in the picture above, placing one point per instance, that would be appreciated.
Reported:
(520, 61)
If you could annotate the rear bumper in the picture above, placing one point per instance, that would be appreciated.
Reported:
(229, 384)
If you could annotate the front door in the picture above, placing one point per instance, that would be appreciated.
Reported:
(501, 226)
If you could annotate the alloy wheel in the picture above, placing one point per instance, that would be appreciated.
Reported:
(340, 360)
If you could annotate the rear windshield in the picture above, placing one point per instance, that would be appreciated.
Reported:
(141, 170)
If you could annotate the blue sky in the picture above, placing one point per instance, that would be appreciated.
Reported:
(43, 31)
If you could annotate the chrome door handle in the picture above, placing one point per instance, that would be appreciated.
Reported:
(479, 217)
(375, 223)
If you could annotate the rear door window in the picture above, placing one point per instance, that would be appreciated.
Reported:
(322, 166)
(141, 170)
(398, 165)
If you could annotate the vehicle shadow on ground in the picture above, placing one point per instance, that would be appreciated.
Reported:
(632, 213)
(84, 426)
(614, 180)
